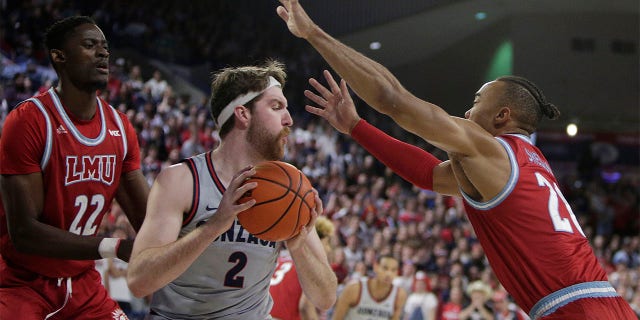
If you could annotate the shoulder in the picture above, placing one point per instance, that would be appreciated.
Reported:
(25, 110)
(402, 294)
(174, 173)
(351, 291)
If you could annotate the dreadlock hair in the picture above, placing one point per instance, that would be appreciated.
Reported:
(231, 82)
(530, 104)
(58, 33)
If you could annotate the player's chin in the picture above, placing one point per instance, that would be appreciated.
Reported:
(99, 83)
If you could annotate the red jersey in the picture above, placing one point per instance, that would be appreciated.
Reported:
(530, 235)
(81, 162)
(285, 290)
(451, 311)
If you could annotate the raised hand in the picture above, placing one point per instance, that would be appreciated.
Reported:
(296, 18)
(335, 104)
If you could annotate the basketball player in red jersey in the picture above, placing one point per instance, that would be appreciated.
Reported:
(527, 229)
(64, 155)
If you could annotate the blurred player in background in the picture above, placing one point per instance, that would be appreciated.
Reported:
(373, 298)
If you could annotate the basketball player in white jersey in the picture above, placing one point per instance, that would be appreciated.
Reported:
(373, 298)
(192, 253)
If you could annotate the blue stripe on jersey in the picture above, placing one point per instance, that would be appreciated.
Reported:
(49, 139)
(510, 185)
(562, 297)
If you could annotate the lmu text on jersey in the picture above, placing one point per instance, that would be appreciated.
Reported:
(90, 168)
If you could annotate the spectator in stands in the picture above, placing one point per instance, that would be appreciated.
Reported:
(157, 86)
(421, 304)
(479, 294)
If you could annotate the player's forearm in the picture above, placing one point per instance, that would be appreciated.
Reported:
(318, 281)
(154, 267)
(370, 80)
(44, 240)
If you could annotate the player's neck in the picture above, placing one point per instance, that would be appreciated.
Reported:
(229, 158)
(379, 289)
(79, 103)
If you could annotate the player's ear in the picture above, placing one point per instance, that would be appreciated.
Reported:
(57, 55)
(503, 115)
(243, 115)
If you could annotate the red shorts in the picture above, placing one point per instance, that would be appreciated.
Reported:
(594, 309)
(29, 296)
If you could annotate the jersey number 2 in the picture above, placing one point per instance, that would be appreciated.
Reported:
(232, 279)
(559, 223)
(90, 226)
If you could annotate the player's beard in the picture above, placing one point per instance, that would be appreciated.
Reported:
(266, 144)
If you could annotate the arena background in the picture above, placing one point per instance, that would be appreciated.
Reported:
(582, 54)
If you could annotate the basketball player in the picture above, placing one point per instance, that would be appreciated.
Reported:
(191, 251)
(373, 298)
(527, 229)
(64, 155)
(289, 303)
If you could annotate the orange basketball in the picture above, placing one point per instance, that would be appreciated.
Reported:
(284, 200)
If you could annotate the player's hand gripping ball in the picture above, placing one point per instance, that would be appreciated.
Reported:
(284, 200)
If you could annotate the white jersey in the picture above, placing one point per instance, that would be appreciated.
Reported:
(230, 279)
(368, 308)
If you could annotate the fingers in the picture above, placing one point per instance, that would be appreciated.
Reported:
(282, 12)
(320, 88)
(319, 207)
(332, 83)
(236, 185)
(315, 98)
(314, 110)
(344, 89)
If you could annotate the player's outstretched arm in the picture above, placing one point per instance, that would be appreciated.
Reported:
(380, 89)
(415, 165)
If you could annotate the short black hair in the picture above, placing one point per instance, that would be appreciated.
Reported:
(531, 102)
(58, 33)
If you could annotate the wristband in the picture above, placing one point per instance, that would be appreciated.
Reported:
(108, 247)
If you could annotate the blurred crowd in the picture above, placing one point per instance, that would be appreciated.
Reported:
(375, 212)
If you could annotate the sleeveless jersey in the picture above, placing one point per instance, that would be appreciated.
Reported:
(369, 308)
(230, 279)
(81, 163)
(285, 290)
(530, 235)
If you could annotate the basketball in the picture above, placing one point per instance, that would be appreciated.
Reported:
(284, 200)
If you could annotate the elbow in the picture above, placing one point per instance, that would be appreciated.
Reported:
(327, 302)
(387, 99)
(329, 297)
(22, 240)
(137, 286)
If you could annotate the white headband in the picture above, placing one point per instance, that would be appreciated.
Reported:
(227, 111)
